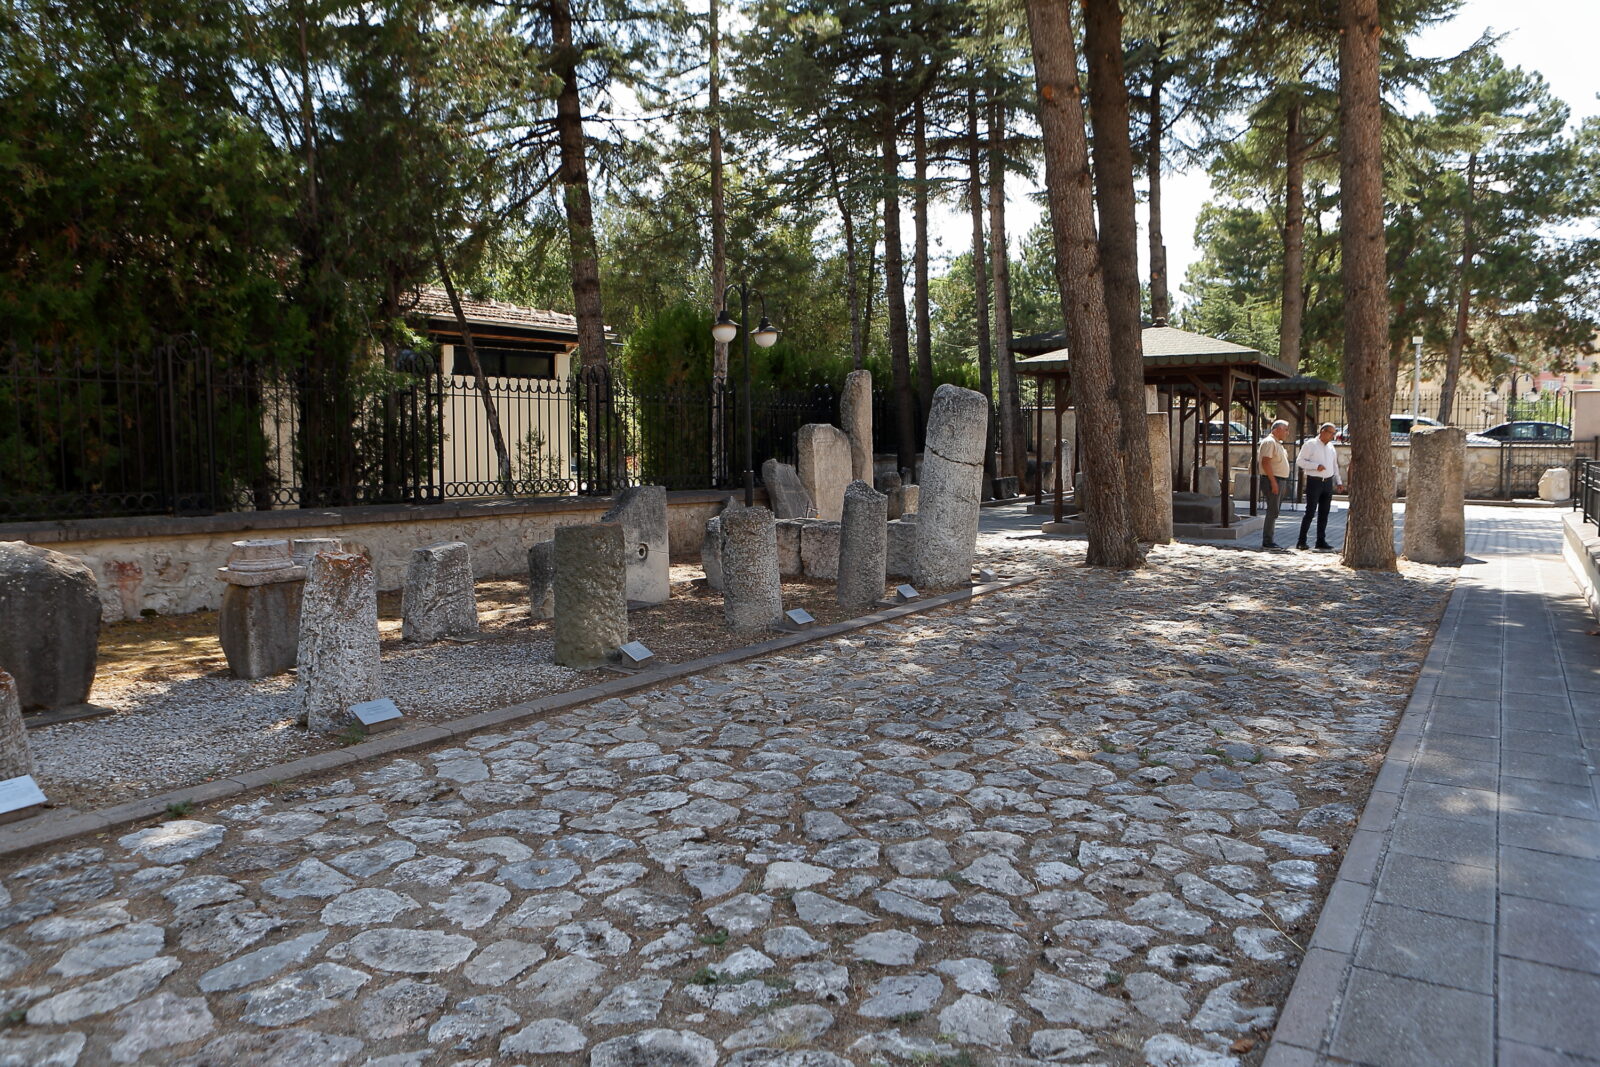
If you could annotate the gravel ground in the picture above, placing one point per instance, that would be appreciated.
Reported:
(1088, 820)
(183, 719)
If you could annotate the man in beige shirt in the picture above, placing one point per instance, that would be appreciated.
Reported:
(1273, 463)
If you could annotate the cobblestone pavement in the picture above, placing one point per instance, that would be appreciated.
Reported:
(1089, 820)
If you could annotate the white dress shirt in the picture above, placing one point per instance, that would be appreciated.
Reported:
(1314, 453)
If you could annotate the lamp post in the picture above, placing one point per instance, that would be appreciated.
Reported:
(1416, 381)
(766, 336)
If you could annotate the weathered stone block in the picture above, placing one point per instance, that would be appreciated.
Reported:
(785, 492)
(542, 580)
(439, 599)
(1435, 518)
(642, 511)
(259, 627)
(1555, 484)
(339, 663)
(752, 594)
(903, 500)
(825, 464)
(791, 564)
(49, 625)
(16, 758)
(902, 546)
(591, 583)
(711, 553)
(1158, 425)
(952, 489)
(1210, 482)
(819, 549)
(855, 416)
(863, 547)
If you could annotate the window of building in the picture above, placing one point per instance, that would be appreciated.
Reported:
(505, 363)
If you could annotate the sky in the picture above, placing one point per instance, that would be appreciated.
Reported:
(1558, 38)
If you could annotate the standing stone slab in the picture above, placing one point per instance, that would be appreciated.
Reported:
(711, 553)
(1436, 521)
(49, 625)
(259, 624)
(439, 599)
(591, 594)
(819, 549)
(338, 656)
(1159, 425)
(863, 547)
(952, 489)
(785, 492)
(791, 564)
(902, 546)
(542, 580)
(855, 415)
(16, 758)
(752, 591)
(642, 511)
(825, 464)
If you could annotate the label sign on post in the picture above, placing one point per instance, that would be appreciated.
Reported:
(377, 715)
(18, 797)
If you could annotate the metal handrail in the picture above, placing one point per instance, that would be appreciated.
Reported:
(1586, 498)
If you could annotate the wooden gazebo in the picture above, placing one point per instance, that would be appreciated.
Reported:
(1195, 375)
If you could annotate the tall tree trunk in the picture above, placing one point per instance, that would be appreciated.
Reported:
(1013, 449)
(1294, 239)
(1369, 534)
(894, 280)
(852, 279)
(1458, 336)
(1119, 258)
(719, 254)
(980, 279)
(1112, 540)
(574, 175)
(1160, 293)
(490, 411)
(919, 295)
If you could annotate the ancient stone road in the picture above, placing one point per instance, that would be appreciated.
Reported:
(1089, 820)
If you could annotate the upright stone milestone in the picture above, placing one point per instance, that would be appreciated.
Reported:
(642, 511)
(711, 553)
(339, 662)
(863, 546)
(787, 496)
(952, 489)
(825, 465)
(591, 594)
(542, 580)
(752, 591)
(1159, 424)
(49, 625)
(855, 415)
(16, 758)
(439, 599)
(259, 624)
(1436, 521)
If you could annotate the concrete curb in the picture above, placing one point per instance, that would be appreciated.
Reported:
(55, 827)
(1309, 1012)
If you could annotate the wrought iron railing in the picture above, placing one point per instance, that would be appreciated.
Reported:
(1586, 490)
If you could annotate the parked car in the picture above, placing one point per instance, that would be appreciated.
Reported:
(1527, 430)
(1400, 430)
(1236, 431)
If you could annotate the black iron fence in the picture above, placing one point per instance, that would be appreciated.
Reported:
(1586, 490)
(1473, 411)
(178, 430)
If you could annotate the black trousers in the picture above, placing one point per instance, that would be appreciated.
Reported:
(1319, 501)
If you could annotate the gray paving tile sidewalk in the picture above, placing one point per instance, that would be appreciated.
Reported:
(1464, 926)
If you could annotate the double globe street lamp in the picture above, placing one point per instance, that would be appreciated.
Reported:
(766, 335)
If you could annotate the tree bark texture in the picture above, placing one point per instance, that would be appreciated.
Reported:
(719, 252)
(1119, 259)
(919, 290)
(574, 175)
(852, 280)
(1292, 318)
(980, 281)
(1013, 449)
(1160, 294)
(1369, 534)
(894, 281)
(1458, 335)
(1112, 540)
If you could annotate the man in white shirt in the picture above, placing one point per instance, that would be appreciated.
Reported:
(1320, 461)
(1273, 464)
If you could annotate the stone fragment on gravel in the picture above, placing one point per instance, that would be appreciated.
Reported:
(158, 1022)
(263, 963)
(655, 1048)
(102, 995)
(544, 1037)
(178, 841)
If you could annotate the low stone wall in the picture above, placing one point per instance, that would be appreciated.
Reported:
(1482, 471)
(168, 564)
(1580, 547)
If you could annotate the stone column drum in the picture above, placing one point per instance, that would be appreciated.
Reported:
(1160, 428)
(49, 625)
(752, 591)
(542, 580)
(642, 511)
(339, 661)
(855, 415)
(951, 489)
(259, 624)
(863, 547)
(438, 599)
(825, 464)
(16, 758)
(1436, 521)
(591, 583)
